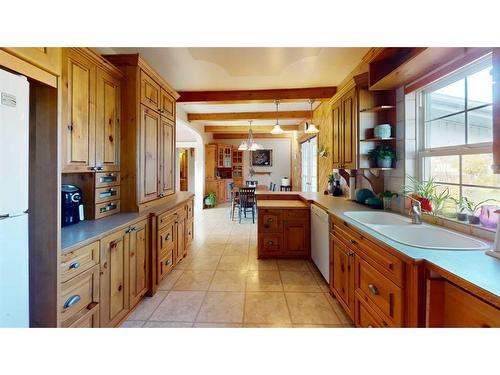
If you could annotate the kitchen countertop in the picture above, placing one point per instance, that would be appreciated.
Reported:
(88, 231)
(289, 203)
(472, 266)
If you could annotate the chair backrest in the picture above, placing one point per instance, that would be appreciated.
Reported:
(251, 183)
(273, 187)
(247, 196)
(285, 188)
(231, 185)
(270, 186)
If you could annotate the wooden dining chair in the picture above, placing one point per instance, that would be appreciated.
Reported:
(231, 188)
(246, 202)
(285, 188)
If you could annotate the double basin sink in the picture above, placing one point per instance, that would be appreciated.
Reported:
(400, 229)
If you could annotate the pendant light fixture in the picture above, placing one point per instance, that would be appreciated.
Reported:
(277, 128)
(310, 127)
(249, 144)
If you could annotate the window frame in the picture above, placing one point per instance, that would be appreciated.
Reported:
(422, 151)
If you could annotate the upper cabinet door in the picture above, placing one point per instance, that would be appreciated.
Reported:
(78, 97)
(167, 105)
(167, 157)
(350, 130)
(337, 135)
(150, 92)
(149, 180)
(107, 155)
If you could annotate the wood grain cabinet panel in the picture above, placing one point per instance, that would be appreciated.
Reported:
(148, 155)
(270, 221)
(150, 92)
(167, 156)
(114, 280)
(167, 105)
(78, 115)
(337, 135)
(47, 58)
(181, 248)
(77, 261)
(107, 139)
(349, 138)
(138, 261)
(342, 274)
(296, 238)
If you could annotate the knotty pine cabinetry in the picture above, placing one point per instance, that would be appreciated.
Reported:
(344, 123)
(148, 134)
(367, 279)
(283, 229)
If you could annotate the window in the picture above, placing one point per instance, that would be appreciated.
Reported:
(309, 165)
(455, 133)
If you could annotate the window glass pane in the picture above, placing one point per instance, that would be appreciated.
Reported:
(479, 122)
(479, 88)
(449, 131)
(445, 169)
(448, 208)
(476, 170)
(446, 100)
(477, 195)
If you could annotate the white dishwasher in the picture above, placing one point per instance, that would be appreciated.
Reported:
(320, 240)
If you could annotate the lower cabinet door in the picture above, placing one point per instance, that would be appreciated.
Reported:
(189, 232)
(180, 245)
(114, 281)
(343, 275)
(296, 237)
(139, 261)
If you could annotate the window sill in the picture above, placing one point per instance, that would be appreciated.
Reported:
(460, 226)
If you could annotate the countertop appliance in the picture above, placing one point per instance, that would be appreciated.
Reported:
(320, 244)
(14, 245)
(71, 205)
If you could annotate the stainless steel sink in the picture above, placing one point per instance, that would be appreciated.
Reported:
(400, 229)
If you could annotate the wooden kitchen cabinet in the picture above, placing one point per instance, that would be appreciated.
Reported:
(342, 274)
(344, 131)
(221, 191)
(283, 229)
(148, 155)
(107, 135)
(114, 281)
(47, 58)
(148, 130)
(167, 160)
(78, 112)
(336, 134)
(138, 261)
(210, 162)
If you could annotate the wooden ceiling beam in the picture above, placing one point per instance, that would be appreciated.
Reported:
(245, 135)
(245, 128)
(263, 96)
(284, 115)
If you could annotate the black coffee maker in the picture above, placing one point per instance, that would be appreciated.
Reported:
(71, 205)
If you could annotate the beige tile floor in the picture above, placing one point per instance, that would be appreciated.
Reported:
(221, 283)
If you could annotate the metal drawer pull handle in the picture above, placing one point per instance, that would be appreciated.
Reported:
(167, 262)
(74, 265)
(352, 242)
(73, 300)
(167, 237)
(370, 326)
(372, 288)
(270, 220)
(270, 242)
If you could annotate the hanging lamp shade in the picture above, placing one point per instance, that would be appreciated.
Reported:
(310, 127)
(277, 128)
(243, 146)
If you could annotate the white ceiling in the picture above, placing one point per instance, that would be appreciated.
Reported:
(190, 69)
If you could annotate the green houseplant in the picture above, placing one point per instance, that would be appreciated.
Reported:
(461, 206)
(387, 197)
(472, 208)
(383, 156)
(211, 199)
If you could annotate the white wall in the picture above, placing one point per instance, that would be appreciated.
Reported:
(281, 160)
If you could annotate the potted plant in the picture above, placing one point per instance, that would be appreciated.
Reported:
(472, 209)
(331, 180)
(211, 199)
(386, 197)
(438, 200)
(421, 191)
(461, 208)
(383, 156)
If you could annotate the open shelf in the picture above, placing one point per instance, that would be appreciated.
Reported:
(378, 108)
(377, 139)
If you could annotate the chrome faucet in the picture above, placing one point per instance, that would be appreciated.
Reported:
(415, 210)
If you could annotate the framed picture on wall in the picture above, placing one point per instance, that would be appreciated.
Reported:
(262, 158)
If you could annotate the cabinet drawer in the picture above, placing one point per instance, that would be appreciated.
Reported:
(270, 243)
(79, 295)
(165, 218)
(150, 92)
(166, 239)
(89, 319)
(107, 194)
(270, 221)
(190, 212)
(107, 179)
(365, 316)
(296, 214)
(379, 292)
(106, 209)
(78, 261)
(165, 264)
(189, 231)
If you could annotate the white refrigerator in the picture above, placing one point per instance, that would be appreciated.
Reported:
(14, 149)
